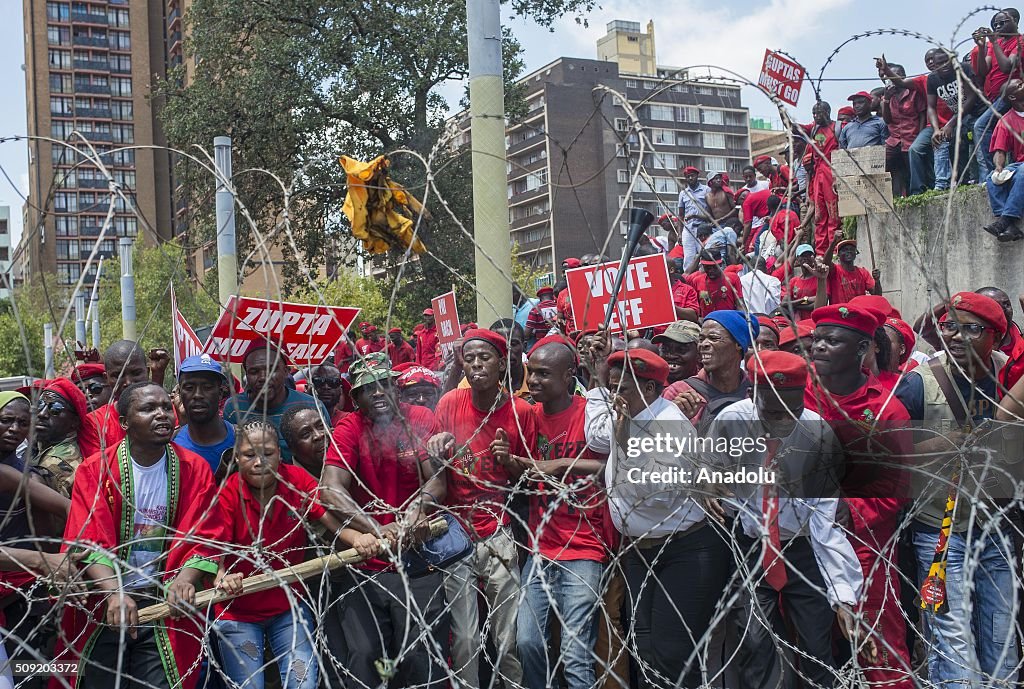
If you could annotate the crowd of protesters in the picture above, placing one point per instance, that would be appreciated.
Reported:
(876, 554)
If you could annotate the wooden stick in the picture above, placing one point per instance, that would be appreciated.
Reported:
(871, 248)
(275, 579)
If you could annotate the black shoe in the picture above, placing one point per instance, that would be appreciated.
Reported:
(997, 227)
(1010, 235)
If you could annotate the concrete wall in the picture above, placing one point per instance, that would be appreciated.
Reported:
(937, 248)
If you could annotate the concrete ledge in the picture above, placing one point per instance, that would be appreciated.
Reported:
(933, 246)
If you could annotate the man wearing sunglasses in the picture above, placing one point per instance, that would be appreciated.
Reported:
(330, 388)
(92, 379)
(957, 388)
(61, 409)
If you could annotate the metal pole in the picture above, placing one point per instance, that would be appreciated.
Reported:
(48, 350)
(80, 320)
(124, 250)
(94, 307)
(227, 260)
(490, 181)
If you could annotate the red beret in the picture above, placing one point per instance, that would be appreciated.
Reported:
(845, 110)
(788, 335)
(906, 333)
(415, 375)
(572, 263)
(762, 159)
(985, 308)
(778, 369)
(645, 364)
(848, 316)
(394, 330)
(87, 371)
(489, 336)
(767, 322)
(555, 339)
(689, 168)
(876, 302)
(364, 325)
(545, 288)
(782, 322)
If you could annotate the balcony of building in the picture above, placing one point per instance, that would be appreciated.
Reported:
(92, 65)
(104, 137)
(103, 89)
(89, 18)
(86, 183)
(90, 41)
(93, 113)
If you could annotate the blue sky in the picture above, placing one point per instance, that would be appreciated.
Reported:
(697, 32)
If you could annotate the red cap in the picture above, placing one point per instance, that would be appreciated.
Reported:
(392, 331)
(645, 364)
(555, 339)
(767, 322)
(846, 242)
(87, 371)
(985, 308)
(428, 312)
(845, 110)
(762, 159)
(803, 329)
(572, 263)
(860, 94)
(780, 370)
(370, 329)
(876, 302)
(848, 316)
(489, 336)
(906, 332)
(414, 374)
(689, 168)
(545, 288)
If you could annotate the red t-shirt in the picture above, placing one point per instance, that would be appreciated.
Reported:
(995, 78)
(844, 285)
(905, 112)
(343, 354)
(799, 288)
(942, 111)
(824, 139)
(684, 296)
(565, 311)
(1005, 137)
(477, 484)
(783, 226)
(427, 350)
(755, 206)
(364, 346)
(723, 292)
(571, 527)
(675, 252)
(281, 532)
(402, 354)
(384, 462)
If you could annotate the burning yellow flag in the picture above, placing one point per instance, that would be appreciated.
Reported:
(380, 210)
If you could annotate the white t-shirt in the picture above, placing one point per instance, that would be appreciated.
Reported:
(150, 488)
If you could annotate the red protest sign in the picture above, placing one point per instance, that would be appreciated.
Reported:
(186, 342)
(306, 332)
(781, 77)
(446, 318)
(644, 299)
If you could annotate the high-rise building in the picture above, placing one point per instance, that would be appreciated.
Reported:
(632, 50)
(572, 159)
(90, 66)
(5, 252)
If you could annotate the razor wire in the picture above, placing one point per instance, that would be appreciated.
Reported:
(327, 597)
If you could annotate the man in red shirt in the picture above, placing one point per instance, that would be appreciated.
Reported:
(399, 351)
(428, 354)
(845, 280)
(777, 175)
(818, 163)
(871, 425)
(755, 213)
(715, 290)
(684, 297)
(378, 478)
(567, 548)
(1007, 197)
(544, 315)
(904, 110)
(995, 58)
(124, 363)
(476, 433)
(800, 291)
(344, 353)
(562, 300)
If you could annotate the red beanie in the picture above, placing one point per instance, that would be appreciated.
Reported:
(489, 336)
(862, 320)
(777, 369)
(88, 438)
(985, 308)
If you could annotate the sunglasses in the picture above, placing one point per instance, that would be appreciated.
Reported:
(969, 330)
(54, 407)
(326, 382)
(95, 388)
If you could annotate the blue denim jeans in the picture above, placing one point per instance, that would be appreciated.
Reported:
(922, 162)
(983, 128)
(290, 636)
(974, 642)
(572, 589)
(1007, 199)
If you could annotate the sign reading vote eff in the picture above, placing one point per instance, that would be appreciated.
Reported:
(645, 297)
(307, 333)
(781, 77)
(446, 318)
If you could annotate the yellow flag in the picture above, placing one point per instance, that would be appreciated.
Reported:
(380, 210)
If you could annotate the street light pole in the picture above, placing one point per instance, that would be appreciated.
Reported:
(227, 258)
(124, 250)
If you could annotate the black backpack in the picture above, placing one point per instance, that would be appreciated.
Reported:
(717, 400)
